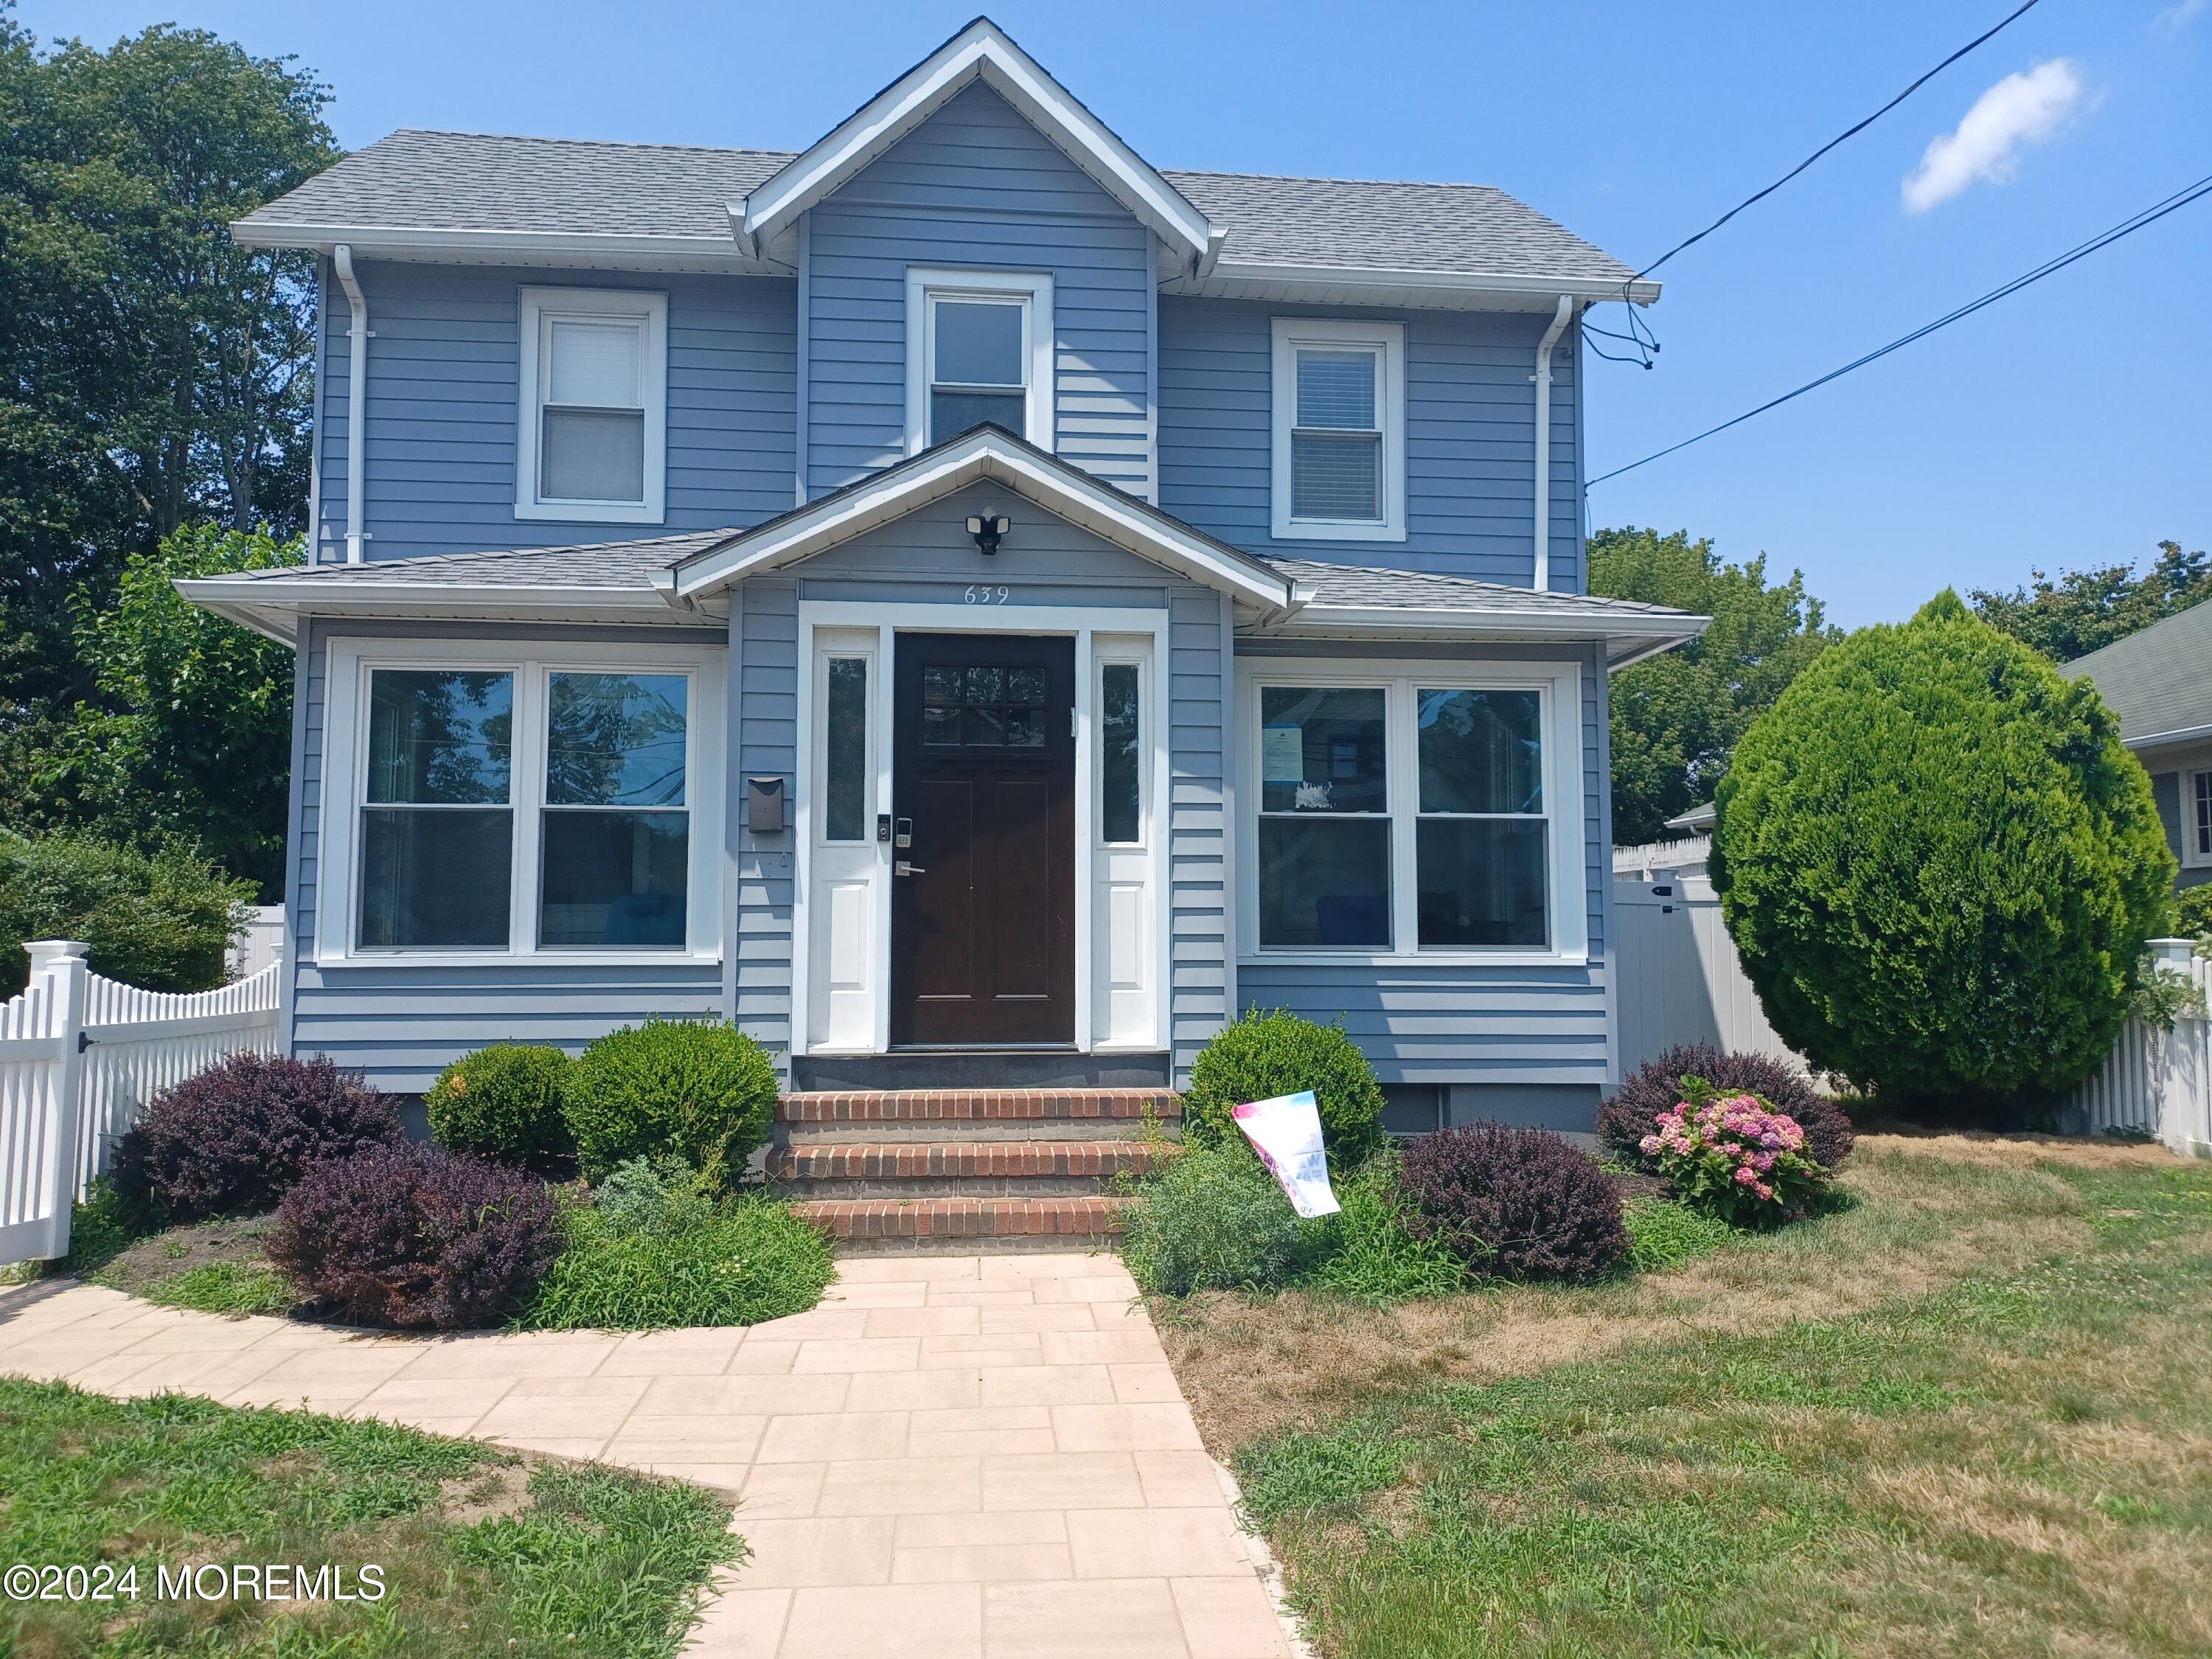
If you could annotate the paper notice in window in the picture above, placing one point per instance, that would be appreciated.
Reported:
(1286, 1133)
(1283, 755)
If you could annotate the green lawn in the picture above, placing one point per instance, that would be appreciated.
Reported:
(1995, 1453)
(482, 1554)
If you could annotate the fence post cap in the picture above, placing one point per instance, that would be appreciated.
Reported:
(2177, 951)
(44, 951)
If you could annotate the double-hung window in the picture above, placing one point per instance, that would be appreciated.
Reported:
(979, 351)
(2197, 819)
(1411, 811)
(1340, 422)
(532, 805)
(592, 432)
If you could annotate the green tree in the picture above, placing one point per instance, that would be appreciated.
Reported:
(164, 919)
(192, 735)
(1939, 865)
(2084, 611)
(1677, 718)
(156, 372)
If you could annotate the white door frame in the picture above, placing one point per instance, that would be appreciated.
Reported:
(1079, 624)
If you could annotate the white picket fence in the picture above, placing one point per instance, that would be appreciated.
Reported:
(2156, 1082)
(79, 1055)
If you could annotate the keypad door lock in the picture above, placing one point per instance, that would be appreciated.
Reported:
(903, 838)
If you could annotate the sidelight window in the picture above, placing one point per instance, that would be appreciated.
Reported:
(1120, 754)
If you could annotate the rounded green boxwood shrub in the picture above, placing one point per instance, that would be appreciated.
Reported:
(1514, 1202)
(1938, 864)
(701, 1091)
(1655, 1086)
(1264, 1054)
(502, 1103)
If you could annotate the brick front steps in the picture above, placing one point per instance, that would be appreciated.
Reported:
(964, 1170)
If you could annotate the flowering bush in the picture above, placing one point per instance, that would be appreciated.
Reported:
(1735, 1155)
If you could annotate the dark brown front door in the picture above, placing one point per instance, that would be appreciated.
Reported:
(984, 768)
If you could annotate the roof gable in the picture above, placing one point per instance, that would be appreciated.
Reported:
(980, 52)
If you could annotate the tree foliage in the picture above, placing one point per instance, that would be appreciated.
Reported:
(163, 919)
(1938, 864)
(2085, 610)
(156, 372)
(1677, 718)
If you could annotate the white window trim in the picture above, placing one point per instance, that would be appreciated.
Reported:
(1560, 687)
(345, 766)
(542, 306)
(2191, 859)
(1389, 341)
(1034, 289)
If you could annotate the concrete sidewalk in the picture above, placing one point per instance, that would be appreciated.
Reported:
(953, 1457)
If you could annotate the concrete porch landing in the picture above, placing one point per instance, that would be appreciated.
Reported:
(953, 1457)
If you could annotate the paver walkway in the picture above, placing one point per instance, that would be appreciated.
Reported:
(953, 1457)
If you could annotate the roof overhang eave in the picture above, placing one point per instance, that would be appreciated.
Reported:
(434, 243)
(1231, 272)
(982, 51)
(1627, 639)
(900, 490)
(274, 607)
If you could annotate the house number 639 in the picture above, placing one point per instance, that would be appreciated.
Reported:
(984, 593)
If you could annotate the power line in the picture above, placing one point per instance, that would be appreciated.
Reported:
(1640, 336)
(2157, 211)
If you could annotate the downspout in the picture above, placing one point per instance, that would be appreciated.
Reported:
(1543, 379)
(357, 398)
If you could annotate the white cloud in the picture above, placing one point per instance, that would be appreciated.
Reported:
(2180, 15)
(2020, 110)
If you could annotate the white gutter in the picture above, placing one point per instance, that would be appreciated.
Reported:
(357, 398)
(1543, 379)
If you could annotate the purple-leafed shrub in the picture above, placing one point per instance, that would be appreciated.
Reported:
(1655, 1086)
(415, 1235)
(1513, 1202)
(235, 1138)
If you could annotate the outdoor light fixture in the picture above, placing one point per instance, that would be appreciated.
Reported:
(986, 528)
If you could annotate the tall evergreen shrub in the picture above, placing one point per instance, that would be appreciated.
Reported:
(1939, 865)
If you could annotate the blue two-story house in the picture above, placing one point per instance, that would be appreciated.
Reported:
(961, 601)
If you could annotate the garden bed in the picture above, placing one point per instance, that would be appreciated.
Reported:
(479, 1551)
(1963, 1414)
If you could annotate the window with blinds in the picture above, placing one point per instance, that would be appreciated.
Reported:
(1339, 424)
(592, 422)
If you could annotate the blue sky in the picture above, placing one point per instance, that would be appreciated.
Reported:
(2070, 426)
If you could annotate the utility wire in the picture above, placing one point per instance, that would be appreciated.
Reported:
(2157, 211)
(1639, 334)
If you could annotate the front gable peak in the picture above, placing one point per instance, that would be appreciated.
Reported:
(982, 51)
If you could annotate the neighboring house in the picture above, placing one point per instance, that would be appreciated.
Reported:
(1685, 855)
(2159, 683)
(965, 603)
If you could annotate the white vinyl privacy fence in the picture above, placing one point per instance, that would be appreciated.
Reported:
(79, 1056)
(2156, 1082)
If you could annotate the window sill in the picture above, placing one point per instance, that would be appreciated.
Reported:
(428, 957)
(591, 511)
(1499, 958)
(1313, 530)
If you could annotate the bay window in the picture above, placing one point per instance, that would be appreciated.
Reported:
(1412, 810)
(514, 807)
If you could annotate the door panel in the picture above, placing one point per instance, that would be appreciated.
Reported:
(983, 764)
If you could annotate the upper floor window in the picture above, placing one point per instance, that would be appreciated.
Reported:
(1339, 425)
(979, 349)
(591, 428)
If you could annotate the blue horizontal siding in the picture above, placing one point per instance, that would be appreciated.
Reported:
(1470, 438)
(444, 378)
(976, 186)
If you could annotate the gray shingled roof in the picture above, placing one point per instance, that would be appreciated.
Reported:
(598, 564)
(2157, 681)
(1380, 224)
(634, 565)
(1415, 590)
(466, 181)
